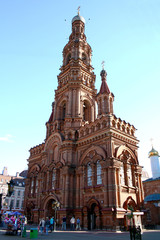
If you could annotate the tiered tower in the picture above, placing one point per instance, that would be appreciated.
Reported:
(76, 94)
(88, 164)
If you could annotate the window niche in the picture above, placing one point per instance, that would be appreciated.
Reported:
(86, 111)
(89, 175)
(99, 173)
(68, 58)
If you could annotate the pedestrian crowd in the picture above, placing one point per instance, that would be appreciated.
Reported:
(48, 225)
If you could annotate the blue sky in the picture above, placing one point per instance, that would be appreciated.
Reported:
(125, 34)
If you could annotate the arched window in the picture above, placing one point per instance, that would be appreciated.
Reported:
(68, 58)
(32, 185)
(89, 175)
(36, 188)
(84, 58)
(53, 180)
(99, 173)
(63, 111)
(55, 154)
(122, 177)
(85, 111)
(130, 182)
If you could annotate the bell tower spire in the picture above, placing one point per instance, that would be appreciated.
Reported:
(76, 94)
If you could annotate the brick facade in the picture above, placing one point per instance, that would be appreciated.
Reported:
(152, 207)
(88, 162)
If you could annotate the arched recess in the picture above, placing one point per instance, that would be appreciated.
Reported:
(61, 108)
(68, 58)
(130, 202)
(52, 141)
(91, 202)
(124, 150)
(96, 151)
(88, 109)
(35, 168)
(47, 198)
(94, 214)
(85, 58)
(46, 205)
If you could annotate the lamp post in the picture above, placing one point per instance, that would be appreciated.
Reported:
(0, 201)
(0, 207)
(55, 206)
(10, 191)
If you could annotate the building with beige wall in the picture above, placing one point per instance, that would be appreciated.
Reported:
(15, 201)
(88, 162)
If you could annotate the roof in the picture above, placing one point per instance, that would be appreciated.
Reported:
(51, 117)
(78, 18)
(23, 173)
(153, 152)
(152, 179)
(104, 87)
(152, 197)
(19, 182)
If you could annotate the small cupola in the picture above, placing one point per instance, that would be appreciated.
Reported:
(104, 98)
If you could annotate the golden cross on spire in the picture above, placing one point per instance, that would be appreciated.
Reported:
(103, 62)
(78, 10)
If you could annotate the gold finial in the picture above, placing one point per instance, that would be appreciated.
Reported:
(103, 62)
(78, 10)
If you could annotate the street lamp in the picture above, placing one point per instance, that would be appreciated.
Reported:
(0, 201)
(55, 206)
(0, 207)
(10, 191)
(10, 187)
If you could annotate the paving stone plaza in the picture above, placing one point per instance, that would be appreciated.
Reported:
(85, 235)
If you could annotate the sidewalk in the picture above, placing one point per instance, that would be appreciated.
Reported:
(85, 235)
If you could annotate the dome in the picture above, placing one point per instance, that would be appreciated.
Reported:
(153, 152)
(78, 18)
(103, 73)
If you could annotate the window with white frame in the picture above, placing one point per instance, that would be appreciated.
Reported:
(89, 175)
(99, 173)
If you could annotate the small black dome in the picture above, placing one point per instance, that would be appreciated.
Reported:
(103, 73)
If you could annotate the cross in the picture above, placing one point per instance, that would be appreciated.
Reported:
(78, 10)
(103, 62)
(151, 141)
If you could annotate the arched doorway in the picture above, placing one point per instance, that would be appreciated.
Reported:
(92, 217)
(50, 211)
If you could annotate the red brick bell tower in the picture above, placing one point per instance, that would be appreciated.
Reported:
(88, 164)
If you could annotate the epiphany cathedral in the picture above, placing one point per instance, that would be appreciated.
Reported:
(88, 165)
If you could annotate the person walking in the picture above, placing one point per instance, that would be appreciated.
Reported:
(78, 226)
(47, 224)
(52, 224)
(64, 223)
(72, 222)
(42, 224)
